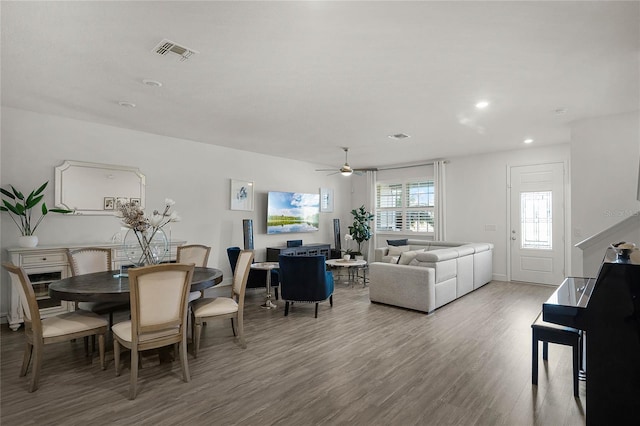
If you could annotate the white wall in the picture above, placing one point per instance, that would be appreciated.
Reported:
(604, 181)
(197, 176)
(477, 196)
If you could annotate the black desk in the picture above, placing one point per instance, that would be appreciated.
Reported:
(108, 287)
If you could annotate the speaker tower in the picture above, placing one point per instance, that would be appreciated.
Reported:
(247, 230)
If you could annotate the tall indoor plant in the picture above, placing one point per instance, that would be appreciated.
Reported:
(360, 230)
(20, 209)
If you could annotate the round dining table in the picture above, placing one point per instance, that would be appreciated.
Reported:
(111, 286)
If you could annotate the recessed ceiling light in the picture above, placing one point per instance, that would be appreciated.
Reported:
(126, 104)
(482, 104)
(399, 136)
(152, 83)
(560, 111)
(529, 140)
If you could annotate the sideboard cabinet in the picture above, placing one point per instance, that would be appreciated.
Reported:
(46, 264)
(304, 250)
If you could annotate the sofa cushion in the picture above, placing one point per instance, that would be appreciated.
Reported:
(398, 242)
(408, 256)
(397, 250)
(437, 255)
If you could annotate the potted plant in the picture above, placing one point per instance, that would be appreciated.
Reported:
(20, 208)
(360, 230)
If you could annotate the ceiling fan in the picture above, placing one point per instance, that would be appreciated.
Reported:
(345, 169)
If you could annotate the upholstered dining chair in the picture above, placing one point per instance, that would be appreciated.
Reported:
(159, 300)
(257, 277)
(209, 308)
(60, 328)
(197, 254)
(89, 260)
(305, 279)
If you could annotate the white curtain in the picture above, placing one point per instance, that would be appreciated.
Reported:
(371, 207)
(440, 211)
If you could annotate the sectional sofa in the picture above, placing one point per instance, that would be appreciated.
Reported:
(425, 275)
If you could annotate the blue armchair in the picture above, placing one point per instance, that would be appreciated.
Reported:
(305, 279)
(257, 277)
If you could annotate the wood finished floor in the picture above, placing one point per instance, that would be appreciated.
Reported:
(358, 363)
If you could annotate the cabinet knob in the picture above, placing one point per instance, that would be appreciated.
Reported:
(44, 258)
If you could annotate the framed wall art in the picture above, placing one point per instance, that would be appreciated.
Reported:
(326, 200)
(241, 195)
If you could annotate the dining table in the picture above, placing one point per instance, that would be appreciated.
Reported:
(112, 286)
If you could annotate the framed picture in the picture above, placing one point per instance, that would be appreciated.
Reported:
(109, 203)
(326, 200)
(241, 195)
(120, 201)
(135, 201)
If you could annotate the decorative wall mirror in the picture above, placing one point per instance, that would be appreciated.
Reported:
(97, 189)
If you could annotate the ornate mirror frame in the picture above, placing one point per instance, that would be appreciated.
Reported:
(96, 189)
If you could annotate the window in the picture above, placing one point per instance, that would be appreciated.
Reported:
(405, 207)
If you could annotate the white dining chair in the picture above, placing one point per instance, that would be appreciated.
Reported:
(61, 328)
(159, 300)
(197, 254)
(232, 307)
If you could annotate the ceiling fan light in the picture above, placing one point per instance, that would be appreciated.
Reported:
(346, 172)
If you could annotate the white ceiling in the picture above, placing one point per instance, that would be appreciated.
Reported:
(301, 79)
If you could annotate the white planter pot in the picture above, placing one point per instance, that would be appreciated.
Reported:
(28, 240)
(346, 257)
(358, 257)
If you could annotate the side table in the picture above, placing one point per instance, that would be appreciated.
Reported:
(268, 266)
(353, 266)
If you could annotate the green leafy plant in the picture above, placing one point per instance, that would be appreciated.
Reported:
(360, 230)
(20, 207)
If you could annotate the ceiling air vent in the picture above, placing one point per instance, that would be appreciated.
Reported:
(167, 46)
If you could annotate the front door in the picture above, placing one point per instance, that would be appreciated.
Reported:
(537, 223)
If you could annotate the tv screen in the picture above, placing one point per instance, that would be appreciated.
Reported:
(292, 212)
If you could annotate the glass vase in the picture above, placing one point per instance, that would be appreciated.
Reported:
(146, 248)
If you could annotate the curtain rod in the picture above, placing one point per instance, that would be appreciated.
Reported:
(411, 165)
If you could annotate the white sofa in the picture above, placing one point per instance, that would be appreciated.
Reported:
(424, 275)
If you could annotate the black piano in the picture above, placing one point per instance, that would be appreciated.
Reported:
(607, 308)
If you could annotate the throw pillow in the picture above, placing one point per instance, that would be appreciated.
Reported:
(408, 256)
(398, 242)
(397, 250)
(394, 259)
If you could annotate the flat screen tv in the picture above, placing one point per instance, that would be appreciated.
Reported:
(292, 212)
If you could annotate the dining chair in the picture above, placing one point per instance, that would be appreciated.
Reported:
(159, 300)
(197, 254)
(44, 331)
(257, 277)
(305, 279)
(209, 308)
(89, 260)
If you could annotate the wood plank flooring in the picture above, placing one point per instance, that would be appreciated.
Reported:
(358, 363)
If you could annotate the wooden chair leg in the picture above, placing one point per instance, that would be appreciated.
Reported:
(241, 332)
(233, 328)
(133, 383)
(331, 300)
(37, 366)
(286, 308)
(26, 359)
(316, 310)
(186, 376)
(196, 337)
(116, 355)
(101, 349)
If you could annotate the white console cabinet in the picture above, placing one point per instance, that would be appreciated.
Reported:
(46, 264)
